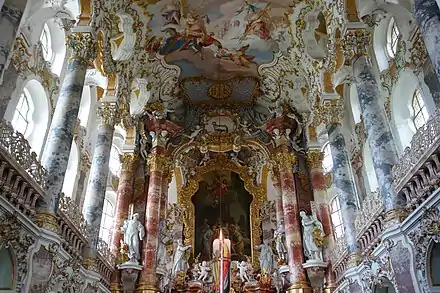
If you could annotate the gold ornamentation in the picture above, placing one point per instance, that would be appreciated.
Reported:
(395, 216)
(219, 91)
(356, 44)
(320, 241)
(314, 159)
(353, 260)
(332, 112)
(220, 161)
(109, 113)
(82, 46)
(283, 159)
(158, 163)
(48, 221)
(128, 162)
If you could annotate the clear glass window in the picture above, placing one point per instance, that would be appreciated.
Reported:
(420, 112)
(336, 215)
(392, 38)
(20, 120)
(46, 43)
(327, 163)
(105, 232)
(115, 162)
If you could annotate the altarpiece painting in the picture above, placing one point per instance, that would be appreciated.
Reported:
(222, 201)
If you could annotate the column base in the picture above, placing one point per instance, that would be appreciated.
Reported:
(115, 288)
(48, 221)
(300, 287)
(144, 288)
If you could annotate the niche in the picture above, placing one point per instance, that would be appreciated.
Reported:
(6, 270)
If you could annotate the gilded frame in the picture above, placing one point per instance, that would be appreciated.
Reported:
(220, 161)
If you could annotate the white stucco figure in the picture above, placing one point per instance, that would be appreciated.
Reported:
(134, 232)
(242, 267)
(180, 263)
(164, 238)
(279, 236)
(204, 271)
(267, 263)
(311, 224)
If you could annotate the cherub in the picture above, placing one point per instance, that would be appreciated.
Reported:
(203, 271)
(242, 266)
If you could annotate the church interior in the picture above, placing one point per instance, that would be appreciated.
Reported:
(220, 146)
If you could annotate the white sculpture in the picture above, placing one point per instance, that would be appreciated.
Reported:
(180, 263)
(162, 246)
(279, 236)
(266, 257)
(310, 224)
(203, 271)
(134, 232)
(194, 134)
(242, 267)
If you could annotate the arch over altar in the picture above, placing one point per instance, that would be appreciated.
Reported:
(220, 161)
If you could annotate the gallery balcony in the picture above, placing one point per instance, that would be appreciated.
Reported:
(22, 183)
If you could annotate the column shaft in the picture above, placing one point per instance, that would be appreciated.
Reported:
(279, 199)
(157, 163)
(295, 253)
(378, 131)
(343, 181)
(96, 188)
(60, 136)
(427, 15)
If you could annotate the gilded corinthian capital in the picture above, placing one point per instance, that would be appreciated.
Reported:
(356, 44)
(283, 160)
(108, 113)
(128, 162)
(332, 112)
(314, 159)
(82, 46)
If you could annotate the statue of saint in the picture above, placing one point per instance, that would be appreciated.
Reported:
(312, 229)
(133, 232)
(267, 263)
(180, 263)
(279, 236)
(162, 246)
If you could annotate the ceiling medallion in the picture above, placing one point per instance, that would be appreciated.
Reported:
(219, 91)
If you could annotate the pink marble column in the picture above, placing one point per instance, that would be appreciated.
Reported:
(279, 198)
(164, 196)
(285, 161)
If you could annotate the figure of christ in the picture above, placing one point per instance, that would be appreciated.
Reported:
(219, 189)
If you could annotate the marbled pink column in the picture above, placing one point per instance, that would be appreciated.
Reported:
(164, 197)
(147, 280)
(124, 196)
(293, 228)
(279, 198)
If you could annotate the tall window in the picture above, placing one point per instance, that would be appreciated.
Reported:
(46, 43)
(392, 38)
(106, 221)
(115, 162)
(420, 112)
(20, 120)
(338, 227)
(327, 163)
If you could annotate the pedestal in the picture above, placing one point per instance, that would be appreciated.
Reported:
(251, 286)
(129, 275)
(316, 273)
(195, 287)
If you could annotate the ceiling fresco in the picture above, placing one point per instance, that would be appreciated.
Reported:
(218, 39)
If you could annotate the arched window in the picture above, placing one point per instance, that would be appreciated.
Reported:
(46, 43)
(420, 112)
(115, 162)
(392, 38)
(434, 266)
(21, 119)
(106, 221)
(327, 163)
(338, 226)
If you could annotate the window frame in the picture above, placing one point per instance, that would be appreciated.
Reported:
(24, 99)
(46, 43)
(419, 109)
(114, 158)
(338, 213)
(108, 216)
(393, 35)
(326, 149)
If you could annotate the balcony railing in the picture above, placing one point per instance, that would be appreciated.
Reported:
(417, 174)
(22, 183)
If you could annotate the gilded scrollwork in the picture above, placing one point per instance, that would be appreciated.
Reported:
(220, 161)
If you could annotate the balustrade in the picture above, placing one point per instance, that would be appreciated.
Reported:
(22, 183)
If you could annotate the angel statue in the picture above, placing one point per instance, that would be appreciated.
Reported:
(313, 236)
(133, 232)
(242, 267)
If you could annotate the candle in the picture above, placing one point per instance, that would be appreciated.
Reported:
(221, 261)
